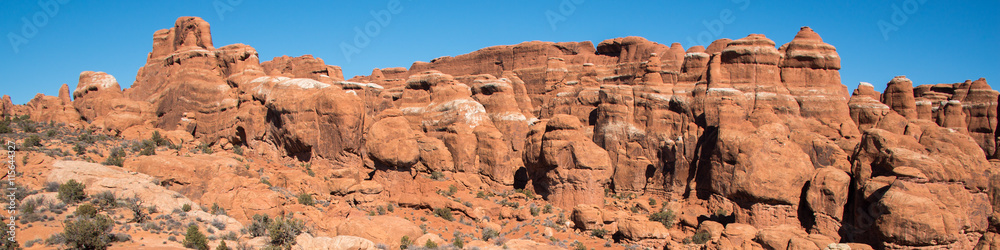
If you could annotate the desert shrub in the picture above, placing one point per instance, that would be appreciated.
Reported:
(186, 208)
(32, 141)
(666, 217)
(598, 232)
(527, 193)
(147, 147)
(88, 232)
(701, 237)
(71, 192)
(28, 126)
(139, 213)
(222, 246)
(5, 127)
(306, 199)
(104, 200)
(405, 242)
(652, 202)
(85, 210)
(579, 246)
(117, 157)
(381, 210)
(437, 175)
(219, 224)
(79, 149)
(51, 133)
(238, 150)
(489, 233)
(205, 148)
(283, 231)
(444, 213)
(547, 209)
(458, 243)
(158, 140)
(217, 210)
(534, 210)
(430, 244)
(195, 239)
(258, 225)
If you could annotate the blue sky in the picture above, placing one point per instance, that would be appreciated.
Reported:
(930, 41)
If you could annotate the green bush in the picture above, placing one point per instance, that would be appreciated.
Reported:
(51, 133)
(5, 128)
(28, 126)
(222, 246)
(238, 150)
(652, 202)
(88, 232)
(71, 192)
(195, 239)
(405, 242)
(205, 148)
(579, 246)
(85, 210)
(283, 231)
(186, 208)
(701, 237)
(489, 233)
(217, 210)
(437, 175)
(306, 199)
(430, 244)
(458, 243)
(666, 217)
(147, 148)
(32, 141)
(158, 140)
(258, 225)
(527, 193)
(117, 157)
(104, 200)
(444, 213)
(598, 232)
(80, 149)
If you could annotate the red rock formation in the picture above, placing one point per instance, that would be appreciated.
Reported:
(766, 135)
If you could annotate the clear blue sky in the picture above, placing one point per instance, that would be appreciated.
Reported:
(933, 41)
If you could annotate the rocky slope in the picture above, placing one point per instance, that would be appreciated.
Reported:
(745, 144)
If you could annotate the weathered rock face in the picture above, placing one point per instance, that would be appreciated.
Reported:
(100, 101)
(305, 66)
(916, 193)
(566, 167)
(59, 109)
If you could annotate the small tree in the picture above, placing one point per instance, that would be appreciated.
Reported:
(71, 192)
(222, 246)
(283, 231)
(195, 239)
(117, 157)
(32, 141)
(444, 213)
(458, 243)
(405, 242)
(88, 232)
(430, 244)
